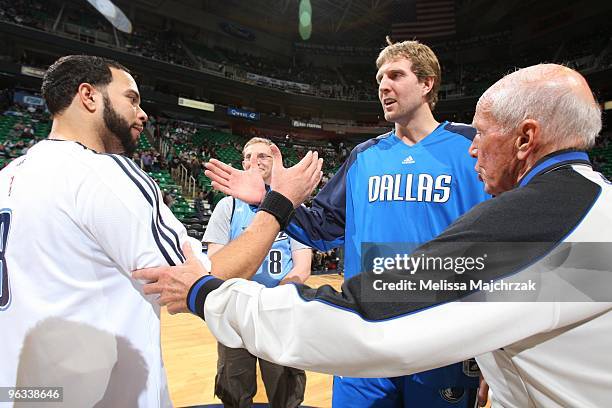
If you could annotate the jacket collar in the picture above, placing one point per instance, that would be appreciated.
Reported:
(553, 161)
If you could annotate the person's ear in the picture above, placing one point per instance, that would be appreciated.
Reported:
(87, 95)
(428, 84)
(527, 137)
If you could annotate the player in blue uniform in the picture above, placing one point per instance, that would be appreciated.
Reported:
(406, 187)
(390, 192)
(287, 261)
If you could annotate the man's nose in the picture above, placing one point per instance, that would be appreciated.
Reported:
(473, 149)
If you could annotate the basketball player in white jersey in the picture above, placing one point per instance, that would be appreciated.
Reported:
(75, 218)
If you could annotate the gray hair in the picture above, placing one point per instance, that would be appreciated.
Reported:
(567, 118)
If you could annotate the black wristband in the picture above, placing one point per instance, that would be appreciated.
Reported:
(279, 206)
(199, 291)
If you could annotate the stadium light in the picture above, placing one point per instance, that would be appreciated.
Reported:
(113, 14)
(305, 19)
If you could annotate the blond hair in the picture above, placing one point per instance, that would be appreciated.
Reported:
(424, 63)
(256, 140)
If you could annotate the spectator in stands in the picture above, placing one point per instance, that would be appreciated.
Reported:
(210, 197)
(27, 132)
(196, 167)
(155, 162)
(137, 160)
(198, 203)
(168, 199)
(21, 148)
(147, 161)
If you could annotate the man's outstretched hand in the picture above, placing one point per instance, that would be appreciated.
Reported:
(245, 185)
(172, 283)
(296, 183)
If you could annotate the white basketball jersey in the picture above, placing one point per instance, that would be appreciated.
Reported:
(73, 225)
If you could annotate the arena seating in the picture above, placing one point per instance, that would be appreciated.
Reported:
(601, 154)
(348, 81)
(182, 208)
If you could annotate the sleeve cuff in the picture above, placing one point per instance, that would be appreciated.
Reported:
(198, 292)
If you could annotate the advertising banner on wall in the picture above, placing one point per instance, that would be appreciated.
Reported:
(24, 98)
(241, 113)
(192, 103)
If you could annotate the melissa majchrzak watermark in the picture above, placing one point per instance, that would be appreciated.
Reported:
(439, 272)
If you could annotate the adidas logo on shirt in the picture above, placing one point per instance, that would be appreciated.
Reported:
(408, 160)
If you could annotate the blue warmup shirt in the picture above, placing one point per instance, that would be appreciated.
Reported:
(387, 191)
(279, 262)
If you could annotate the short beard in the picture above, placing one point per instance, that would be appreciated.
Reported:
(118, 127)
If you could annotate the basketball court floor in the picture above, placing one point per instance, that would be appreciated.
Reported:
(190, 357)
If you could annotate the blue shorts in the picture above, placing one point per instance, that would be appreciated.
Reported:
(444, 387)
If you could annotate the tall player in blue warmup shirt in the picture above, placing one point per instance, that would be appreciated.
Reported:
(405, 186)
(287, 261)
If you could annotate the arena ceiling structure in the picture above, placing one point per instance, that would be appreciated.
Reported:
(342, 22)
(485, 39)
(334, 21)
(365, 23)
(346, 22)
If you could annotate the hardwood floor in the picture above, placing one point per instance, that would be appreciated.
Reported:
(190, 356)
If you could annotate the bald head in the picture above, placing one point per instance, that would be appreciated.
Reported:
(558, 97)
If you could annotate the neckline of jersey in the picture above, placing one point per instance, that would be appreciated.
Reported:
(424, 141)
(73, 141)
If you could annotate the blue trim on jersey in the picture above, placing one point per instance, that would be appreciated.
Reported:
(176, 245)
(154, 226)
(461, 129)
(355, 312)
(556, 160)
(193, 292)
